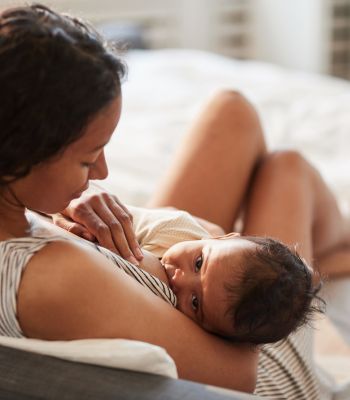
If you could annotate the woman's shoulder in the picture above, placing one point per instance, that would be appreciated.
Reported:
(19, 250)
(27, 262)
(56, 249)
(57, 284)
(61, 253)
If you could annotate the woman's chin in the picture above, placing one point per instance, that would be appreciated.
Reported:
(52, 209)
(76, 195)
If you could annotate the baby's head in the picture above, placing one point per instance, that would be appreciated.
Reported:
(247, 289)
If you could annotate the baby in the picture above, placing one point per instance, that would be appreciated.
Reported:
(247, 289)
(243, 288)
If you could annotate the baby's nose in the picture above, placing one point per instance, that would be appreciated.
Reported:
(183, 281)
(178, 280)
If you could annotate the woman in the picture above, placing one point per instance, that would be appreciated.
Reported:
(61, 98)
(61, 102)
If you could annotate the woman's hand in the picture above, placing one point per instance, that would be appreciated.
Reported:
(103, 218)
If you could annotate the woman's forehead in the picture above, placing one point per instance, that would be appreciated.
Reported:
(100, 128)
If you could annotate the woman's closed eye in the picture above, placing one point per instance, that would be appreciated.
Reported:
(198, 263)
(92, 161)
(87, 164)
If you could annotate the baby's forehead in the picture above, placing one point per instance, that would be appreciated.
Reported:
(230, 247)
(227, 259)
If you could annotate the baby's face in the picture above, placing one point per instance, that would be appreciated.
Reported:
(198, 271)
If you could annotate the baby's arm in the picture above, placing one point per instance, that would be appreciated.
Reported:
(213, 229)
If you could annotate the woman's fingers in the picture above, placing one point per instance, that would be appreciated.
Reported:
(113, 230)
(124, 217)
(109, 221)
(73, 227)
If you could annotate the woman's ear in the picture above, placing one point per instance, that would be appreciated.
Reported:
(227, 236)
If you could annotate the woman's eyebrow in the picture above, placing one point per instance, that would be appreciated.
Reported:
(97, 147)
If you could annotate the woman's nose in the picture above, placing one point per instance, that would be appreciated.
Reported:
(99, 169)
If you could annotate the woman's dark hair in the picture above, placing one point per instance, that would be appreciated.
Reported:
(56, 73)
(275, 295)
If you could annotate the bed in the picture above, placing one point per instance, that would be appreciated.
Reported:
(164, 91)
(166, 88)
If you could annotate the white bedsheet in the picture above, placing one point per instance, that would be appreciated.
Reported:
(166, 88)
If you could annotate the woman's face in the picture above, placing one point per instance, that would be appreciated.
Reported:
(197, 272)
(51, 185)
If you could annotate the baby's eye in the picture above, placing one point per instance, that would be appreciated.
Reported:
(198, 263)
(195, 303)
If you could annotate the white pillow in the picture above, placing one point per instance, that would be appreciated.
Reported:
(116, 353)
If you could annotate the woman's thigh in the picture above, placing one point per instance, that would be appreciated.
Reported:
(290, 201)
(281, 202)
(214, 164)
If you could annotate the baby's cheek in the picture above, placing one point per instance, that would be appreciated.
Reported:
(185, 310)
(180, 305)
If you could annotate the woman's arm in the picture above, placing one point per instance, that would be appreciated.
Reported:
(69, 292)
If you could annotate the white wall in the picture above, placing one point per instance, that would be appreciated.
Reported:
(293, 33)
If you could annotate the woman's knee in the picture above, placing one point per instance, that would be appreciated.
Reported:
(227, 98)
(231, 110)
(231, 103)
(287, 163)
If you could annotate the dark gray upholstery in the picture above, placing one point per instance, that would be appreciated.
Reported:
(25, 375)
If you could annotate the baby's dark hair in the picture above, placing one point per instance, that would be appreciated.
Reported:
(56, 73)
(275, 295)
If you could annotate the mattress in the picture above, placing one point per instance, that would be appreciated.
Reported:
(165, 89)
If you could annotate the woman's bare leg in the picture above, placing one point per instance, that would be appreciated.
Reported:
(336, 263)
(214, 165)
(290, 201)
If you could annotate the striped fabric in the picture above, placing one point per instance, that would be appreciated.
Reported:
(14, 256)
(286, 370)
(158, 287)
(16, 253)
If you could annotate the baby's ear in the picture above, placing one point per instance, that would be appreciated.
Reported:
(227, 236)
